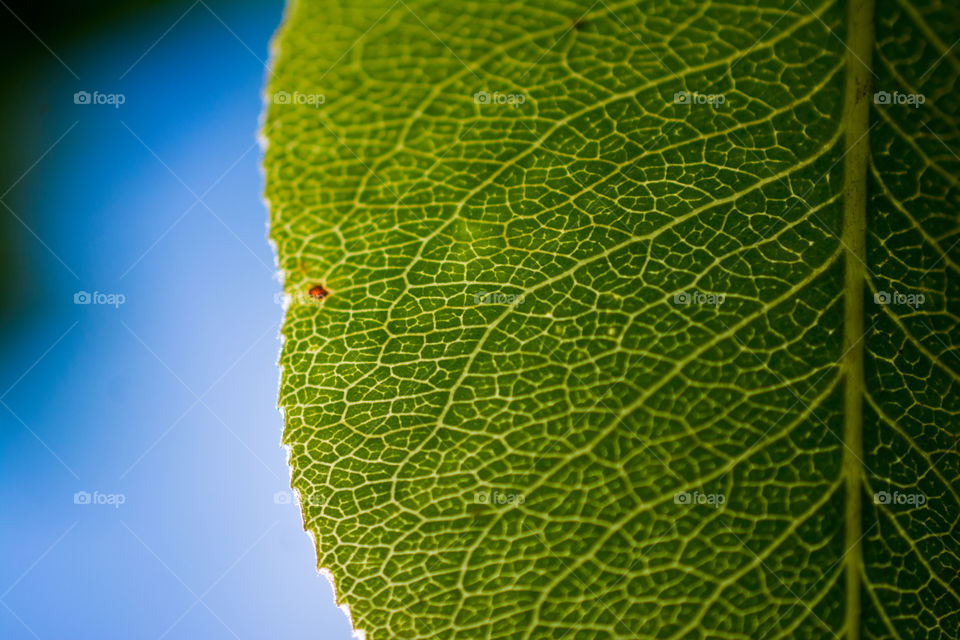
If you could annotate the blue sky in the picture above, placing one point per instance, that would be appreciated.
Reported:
(165, 402)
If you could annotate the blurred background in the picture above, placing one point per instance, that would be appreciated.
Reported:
(143, 491)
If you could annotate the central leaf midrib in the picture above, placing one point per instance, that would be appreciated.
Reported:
(856, 121)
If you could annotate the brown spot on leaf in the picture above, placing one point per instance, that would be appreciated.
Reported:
(318, 292)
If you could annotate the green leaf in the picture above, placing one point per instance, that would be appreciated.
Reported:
(639, 319)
